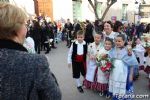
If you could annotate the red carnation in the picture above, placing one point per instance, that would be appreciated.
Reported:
(108, 64)
(103, 69)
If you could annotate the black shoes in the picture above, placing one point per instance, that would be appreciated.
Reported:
(80, 89)
(46, 52)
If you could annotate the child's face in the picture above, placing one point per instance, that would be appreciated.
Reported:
(145, 39)
(80, 38)
(97, 38)
(108, 45)
(129, 42)
(138, 41)
(119, 42)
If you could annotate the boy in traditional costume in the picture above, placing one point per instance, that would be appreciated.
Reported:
(77, 57)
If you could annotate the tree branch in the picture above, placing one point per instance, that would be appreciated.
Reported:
(95, 11)
(94, 6)
(91, 3)
(107, 9)
(108, 2)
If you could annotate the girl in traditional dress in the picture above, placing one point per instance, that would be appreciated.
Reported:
(147, 69)
(120, 80)
(93, 48)
(29, 44)
(147, 55)
(102, 78)
(139, 51)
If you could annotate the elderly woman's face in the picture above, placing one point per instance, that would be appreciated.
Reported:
(107, 28)
(21, 34)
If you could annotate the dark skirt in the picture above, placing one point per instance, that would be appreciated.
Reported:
(87, 84)
(149, 84)
(147, 69)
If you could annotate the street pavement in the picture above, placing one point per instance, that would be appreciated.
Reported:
(58, 65)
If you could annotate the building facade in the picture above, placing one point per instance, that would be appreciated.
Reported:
(82, 10)
(124, 10)
(144, 13)
(4, 0)
(44, 7)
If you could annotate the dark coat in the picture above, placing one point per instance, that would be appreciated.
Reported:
(89, 33)
(68, 27)
(76, 28)
(35, 33)
(25, 76)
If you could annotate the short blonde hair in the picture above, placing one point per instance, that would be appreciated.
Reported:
(80, 32)
(11, 20)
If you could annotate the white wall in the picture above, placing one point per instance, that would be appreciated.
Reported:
(62, 9)
(87, 11)
(28, 5)
(116, 10)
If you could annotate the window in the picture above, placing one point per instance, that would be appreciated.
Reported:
(99, 9)
(77, 10)
(124, 11)
(144, 11)
(4, 0)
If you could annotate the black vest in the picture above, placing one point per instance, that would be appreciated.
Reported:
(74, 52)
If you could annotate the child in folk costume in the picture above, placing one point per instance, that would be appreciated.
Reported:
(147, 69)
(103, 77)
(121, 77)
(93, 48)
(139, 52)
(29, 45)
(147, 55)
(77, 57)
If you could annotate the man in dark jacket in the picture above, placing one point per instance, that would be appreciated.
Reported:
(89, 32)
(68, 28)
(76, 28)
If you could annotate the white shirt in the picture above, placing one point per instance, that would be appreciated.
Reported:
(29, 45)
(112, 35)
(147, 61)
(139, 48)
(79, 50)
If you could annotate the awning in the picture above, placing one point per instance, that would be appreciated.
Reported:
(145, 20)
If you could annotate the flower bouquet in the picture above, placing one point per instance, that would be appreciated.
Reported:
(146, 41)
(104, 63)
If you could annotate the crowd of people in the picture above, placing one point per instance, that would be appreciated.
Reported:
(124, 47)
(43, 33)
